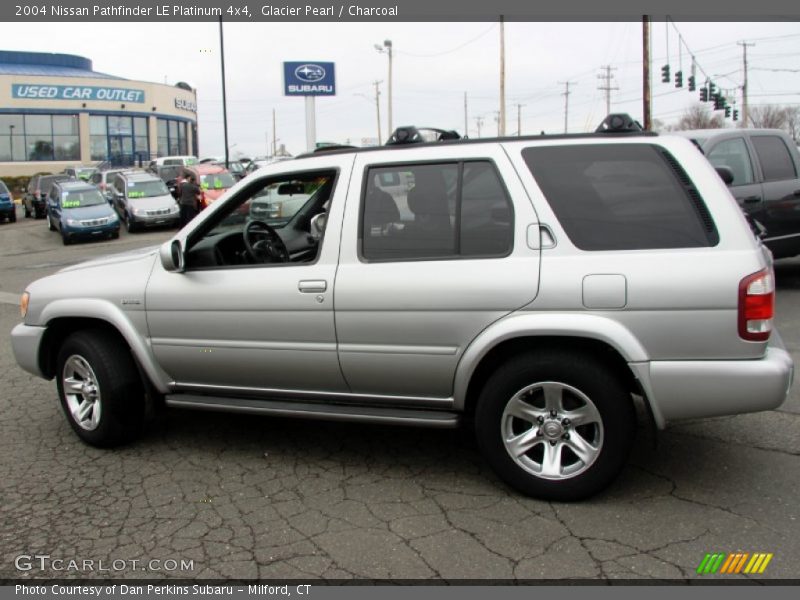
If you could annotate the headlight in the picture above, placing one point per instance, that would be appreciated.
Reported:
(174, 209)
(138, 211)
(23, 304)
(73, 223)
(113, 218)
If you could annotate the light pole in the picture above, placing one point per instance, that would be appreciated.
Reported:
(387, 49)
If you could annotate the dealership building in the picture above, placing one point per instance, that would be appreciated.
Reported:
(55, 111)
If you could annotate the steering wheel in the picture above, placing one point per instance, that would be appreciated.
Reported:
(263, 243)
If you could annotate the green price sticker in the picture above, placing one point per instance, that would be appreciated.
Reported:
(135, 194)
(71, 203)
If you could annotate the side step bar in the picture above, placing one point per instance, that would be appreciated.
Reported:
(310, 410)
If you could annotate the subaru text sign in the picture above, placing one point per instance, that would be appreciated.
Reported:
(308, 79)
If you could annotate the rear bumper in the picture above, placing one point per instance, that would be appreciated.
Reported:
(708, 388)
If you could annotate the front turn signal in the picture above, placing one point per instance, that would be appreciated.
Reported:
(23, 304)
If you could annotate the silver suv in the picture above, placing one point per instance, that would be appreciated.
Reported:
(531, 287)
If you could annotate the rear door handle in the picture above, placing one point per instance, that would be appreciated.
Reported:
(751, 199)
(312, 286)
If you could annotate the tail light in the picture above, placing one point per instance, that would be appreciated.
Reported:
(756, 306)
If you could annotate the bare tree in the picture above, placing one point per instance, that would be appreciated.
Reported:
(698, 116)
(768, 116)
(793, 121)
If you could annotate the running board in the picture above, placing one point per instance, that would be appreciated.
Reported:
(310, 410)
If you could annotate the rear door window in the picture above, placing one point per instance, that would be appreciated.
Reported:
(621, 197)
(776, 162)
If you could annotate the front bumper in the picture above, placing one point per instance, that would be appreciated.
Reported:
(156, 220)
(73, 232)
(710, 388)
(25, 342)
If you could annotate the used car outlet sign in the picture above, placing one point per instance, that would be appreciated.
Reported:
(76, 92)
(309, 79)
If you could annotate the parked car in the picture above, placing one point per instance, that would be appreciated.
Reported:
(535, 288)
(143, 200)
(765, 165)
(83, 173)
(162, 161)
(8, 210)
(214, 180)
(278, 203)
(102, 180)
(34, 202)
(77, 210)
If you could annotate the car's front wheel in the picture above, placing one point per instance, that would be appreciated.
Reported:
(556, 426)
(100, 389)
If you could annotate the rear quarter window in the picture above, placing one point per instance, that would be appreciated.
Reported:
(621, 197)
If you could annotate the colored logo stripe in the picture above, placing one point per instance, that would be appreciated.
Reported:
(723, 563)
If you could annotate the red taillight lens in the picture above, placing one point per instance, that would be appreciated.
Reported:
(756, 306)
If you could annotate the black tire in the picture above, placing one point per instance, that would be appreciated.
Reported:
(121, 412)
(27, 211)
(49, 223)
(574, 378)
(130, 224)
(13, 217)
(65, 239)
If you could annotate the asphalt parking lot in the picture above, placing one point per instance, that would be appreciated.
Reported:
(246, 497)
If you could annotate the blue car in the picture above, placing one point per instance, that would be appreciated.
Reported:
(79, 211)
(7, 208)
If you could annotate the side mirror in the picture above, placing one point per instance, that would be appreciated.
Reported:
(172, 257)
(725, 173)
(318, 223)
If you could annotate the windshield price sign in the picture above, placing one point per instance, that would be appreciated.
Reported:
(309, 79)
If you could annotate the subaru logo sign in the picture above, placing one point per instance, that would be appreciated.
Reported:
(309, 79)
(309, 73)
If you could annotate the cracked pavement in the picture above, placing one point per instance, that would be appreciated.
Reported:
(256, 497)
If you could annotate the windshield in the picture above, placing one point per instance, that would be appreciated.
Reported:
(147, 189)
(217, 181)
(3, 188)
(82, 198)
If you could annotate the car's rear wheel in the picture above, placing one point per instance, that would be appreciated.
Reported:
(556, 426)
(100, 389)
(12, 218)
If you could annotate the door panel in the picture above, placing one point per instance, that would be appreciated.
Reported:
(251, 326)
(403, 325)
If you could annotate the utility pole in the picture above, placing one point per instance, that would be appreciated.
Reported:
(387, 49)
(479, 122)
(519, 119)
(378, 107)
(646, 101)
(744, 46)
(607, 88)
(466, 129)
(274, 135)
(501, 129)
(566, 94)
(224, 101)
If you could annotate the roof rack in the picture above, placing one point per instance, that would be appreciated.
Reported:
(418, 135)
(619, 123)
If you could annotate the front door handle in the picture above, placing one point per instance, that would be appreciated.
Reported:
(751, 199)
(312, 286)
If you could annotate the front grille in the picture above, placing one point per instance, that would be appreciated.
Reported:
(95, 222)
(157, 212)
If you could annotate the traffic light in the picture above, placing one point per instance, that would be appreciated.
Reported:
(711, 88)
(692, 84)
(678, 79)
(703, 94)
(735, 115)
(665, 74)
(727, 112)
(719, 103)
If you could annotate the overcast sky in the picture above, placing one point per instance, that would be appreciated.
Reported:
(435, 63)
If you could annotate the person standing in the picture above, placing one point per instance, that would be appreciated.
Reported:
(189, 199)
